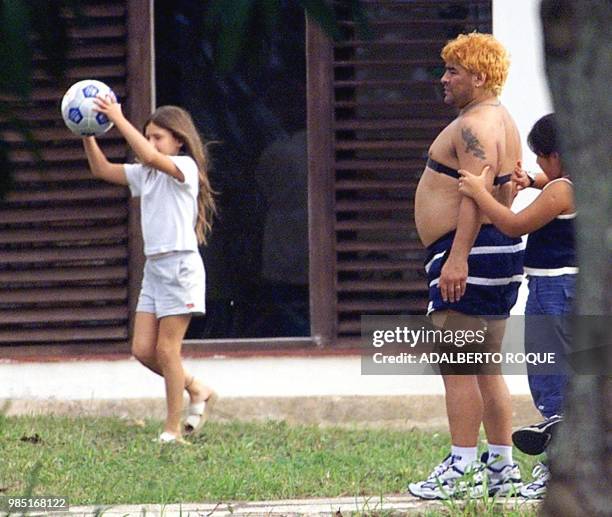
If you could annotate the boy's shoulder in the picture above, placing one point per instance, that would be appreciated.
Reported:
(561, 190)
(560, 185)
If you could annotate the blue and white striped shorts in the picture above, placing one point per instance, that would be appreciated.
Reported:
(495, 272)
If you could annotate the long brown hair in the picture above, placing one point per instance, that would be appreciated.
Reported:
(180, 124)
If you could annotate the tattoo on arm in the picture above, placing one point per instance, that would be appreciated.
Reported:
(472, 144)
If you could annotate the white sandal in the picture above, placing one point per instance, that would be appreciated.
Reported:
(198, 414)
(167, 437)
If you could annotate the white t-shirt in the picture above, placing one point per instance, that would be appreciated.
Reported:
(168, 208)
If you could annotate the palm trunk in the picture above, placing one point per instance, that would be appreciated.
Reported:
(579, 65)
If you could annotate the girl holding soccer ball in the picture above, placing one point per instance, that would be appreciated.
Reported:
(177, 207)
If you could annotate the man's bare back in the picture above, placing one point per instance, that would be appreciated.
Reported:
(461, 142)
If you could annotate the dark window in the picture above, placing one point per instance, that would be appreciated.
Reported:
(257, 257)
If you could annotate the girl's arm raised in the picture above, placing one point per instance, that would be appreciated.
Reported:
(146, 153)
(523, 179)
(100, 166)
(553, 201)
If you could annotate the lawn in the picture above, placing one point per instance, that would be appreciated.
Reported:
(116, 461)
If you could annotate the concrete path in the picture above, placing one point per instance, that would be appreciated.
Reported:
(338, 506)
(230, 376)
(310, 390)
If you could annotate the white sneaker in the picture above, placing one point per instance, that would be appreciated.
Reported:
(501, 479)
(537, 488)
(448, 480)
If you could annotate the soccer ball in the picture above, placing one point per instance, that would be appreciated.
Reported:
(79, 111)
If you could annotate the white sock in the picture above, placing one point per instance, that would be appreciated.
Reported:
(464, 455)
(500, 454)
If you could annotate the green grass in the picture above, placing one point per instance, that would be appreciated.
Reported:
(115, 461)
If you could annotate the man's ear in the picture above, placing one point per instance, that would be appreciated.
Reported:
(479, 79)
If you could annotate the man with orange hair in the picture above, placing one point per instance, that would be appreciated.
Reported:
(474, 271)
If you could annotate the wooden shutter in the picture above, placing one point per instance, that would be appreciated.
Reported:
(64, 235)
(375, 106)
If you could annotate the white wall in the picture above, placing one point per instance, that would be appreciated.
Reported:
(516, 24)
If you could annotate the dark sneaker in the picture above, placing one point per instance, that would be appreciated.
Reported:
(533, 439)
(448, 480)
(501, 479)
(537, 488)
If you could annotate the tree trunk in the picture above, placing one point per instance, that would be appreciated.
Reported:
(578, 51)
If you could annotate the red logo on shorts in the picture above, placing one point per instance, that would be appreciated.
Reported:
(190, 305)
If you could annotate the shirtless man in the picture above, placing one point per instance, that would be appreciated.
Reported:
(473, 270)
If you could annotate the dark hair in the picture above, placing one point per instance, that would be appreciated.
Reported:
(542, 138)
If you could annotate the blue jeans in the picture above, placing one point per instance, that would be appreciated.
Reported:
(551, 296)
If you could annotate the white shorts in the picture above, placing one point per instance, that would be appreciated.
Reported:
(173, 283)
